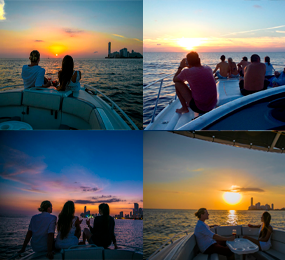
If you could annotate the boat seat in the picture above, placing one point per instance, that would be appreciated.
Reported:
(137, 256)
(41, 108)
(252, 232)
(118, 254)
(80, 114)
(227, 230)
(206, 257)
(83, 253)
(11, 105)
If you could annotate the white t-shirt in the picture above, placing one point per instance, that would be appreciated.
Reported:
(41, 225)
(70, 240)
(33, 76)
(204, 236)
(269, 69)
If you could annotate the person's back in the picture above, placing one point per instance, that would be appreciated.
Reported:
(223, 67)
(41, 225)
(269, 67)
(204, 236)
(103, 233)
(74, 83)
(254, 75)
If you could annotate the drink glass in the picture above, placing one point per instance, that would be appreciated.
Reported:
(234, 232)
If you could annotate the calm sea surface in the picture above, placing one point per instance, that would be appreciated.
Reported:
(13, 229)
(156, 65)
(121, 80)
(160, 225)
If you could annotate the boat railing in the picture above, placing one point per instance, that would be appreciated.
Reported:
(113, 106)
(170, 240)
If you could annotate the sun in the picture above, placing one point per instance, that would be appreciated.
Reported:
(232, 197)
(56, 55)
(189, 43)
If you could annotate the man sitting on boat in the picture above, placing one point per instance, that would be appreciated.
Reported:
(254, 77)
(209, 242)
(41, 231)
(242, 65)
(33, 75)
(224, 68)
(201, 97)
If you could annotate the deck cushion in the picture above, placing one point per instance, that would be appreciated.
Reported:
(118, 254)
(11, 99)
(84, 253)
(46, 100)
(77, 107)
(246, 231)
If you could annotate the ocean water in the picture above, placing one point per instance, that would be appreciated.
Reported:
(13, 229)
(160, 224)
(156, 65)
(119, 79)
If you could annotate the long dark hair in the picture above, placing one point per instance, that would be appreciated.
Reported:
(267, 59)
(265, 225)
(66, 72)
(65, 218)
(104, 207)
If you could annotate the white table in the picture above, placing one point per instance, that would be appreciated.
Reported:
(242, 246)
(15, 125)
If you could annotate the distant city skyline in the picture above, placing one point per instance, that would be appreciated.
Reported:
(87, 167)
(58, 28)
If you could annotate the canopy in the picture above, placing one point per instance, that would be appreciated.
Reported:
(269, 141)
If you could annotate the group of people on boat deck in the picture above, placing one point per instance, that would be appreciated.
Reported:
(201, 97)
(34, 76)
(42, 228)
(210, 243)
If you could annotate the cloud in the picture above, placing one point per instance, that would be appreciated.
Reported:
(95, 51)
(117, 35)
(158, 44)
(72, 32)
(234, 33)
(257, 6)
(198, 170)
(33, 190)
(239, 189)
(137, 40)
(101, 199)
(39, 41)
(280, 31)
(2, 11)
(88, 188)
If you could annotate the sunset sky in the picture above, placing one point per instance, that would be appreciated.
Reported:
(87, 167)
(185, 173)
(81, 29)
(213, 26)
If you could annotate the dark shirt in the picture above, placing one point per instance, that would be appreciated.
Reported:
(103, 233)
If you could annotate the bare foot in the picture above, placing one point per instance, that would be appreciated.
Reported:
(182, 110)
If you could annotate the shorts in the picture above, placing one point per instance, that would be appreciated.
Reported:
(246, 92)
(97, 243)
(264, 245)
(218, 74)
(234, 76)
(193, 106)
(220, 248)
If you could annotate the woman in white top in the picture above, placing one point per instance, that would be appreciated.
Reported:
(265, 232)
(68, 77)
(68, 227)
(269, 67)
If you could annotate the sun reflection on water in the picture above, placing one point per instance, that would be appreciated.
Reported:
(232, 217)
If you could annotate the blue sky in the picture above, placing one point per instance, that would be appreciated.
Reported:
(82, 166)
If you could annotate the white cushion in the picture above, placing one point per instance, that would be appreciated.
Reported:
(43, 99)
(84, 253)
(77, 107)
(227, 230)
(118, 254)
(10, 99)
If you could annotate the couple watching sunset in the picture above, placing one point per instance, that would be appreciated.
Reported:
(42, 228)
(33, 74)
(210, 242)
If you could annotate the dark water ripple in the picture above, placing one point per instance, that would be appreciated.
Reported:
(161, 225)
(121, 80)
(157, 65)
(13, 230)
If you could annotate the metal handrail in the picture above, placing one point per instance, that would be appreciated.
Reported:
(169, 240)
(115, 105)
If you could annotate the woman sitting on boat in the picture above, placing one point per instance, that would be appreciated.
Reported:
(102, 233)
(201, 97)
(265, 232)
(233, 72)
(209, 242)
(68, 227)
(41, 231)
(68, 77)
(33, 75)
